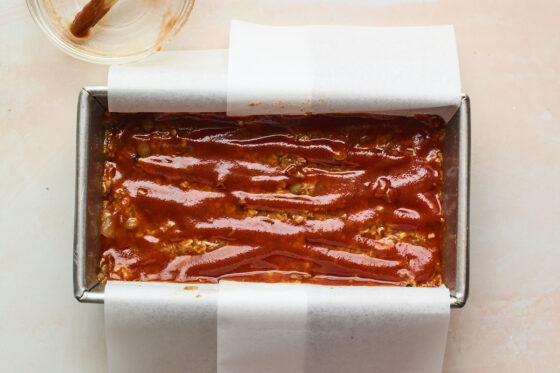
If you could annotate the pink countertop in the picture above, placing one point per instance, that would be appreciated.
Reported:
(509, 55)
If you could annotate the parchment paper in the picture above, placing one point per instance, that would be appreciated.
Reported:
(160, 327)
(241, 327)
(319, 69)
(249, 327)
(297, 70)
(174, 81)
(321, 329)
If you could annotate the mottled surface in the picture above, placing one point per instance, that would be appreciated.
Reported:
(325, 199)
(508, 52)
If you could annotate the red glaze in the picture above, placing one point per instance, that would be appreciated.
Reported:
(274, 198)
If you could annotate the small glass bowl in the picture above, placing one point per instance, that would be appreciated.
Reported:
(131, 30)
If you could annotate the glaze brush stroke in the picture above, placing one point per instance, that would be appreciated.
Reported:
(329, 199)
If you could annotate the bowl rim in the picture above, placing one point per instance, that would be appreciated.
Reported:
(72, 50)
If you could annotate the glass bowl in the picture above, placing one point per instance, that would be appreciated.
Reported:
(131, 30)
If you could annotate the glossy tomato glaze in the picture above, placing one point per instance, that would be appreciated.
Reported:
(324, 199)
